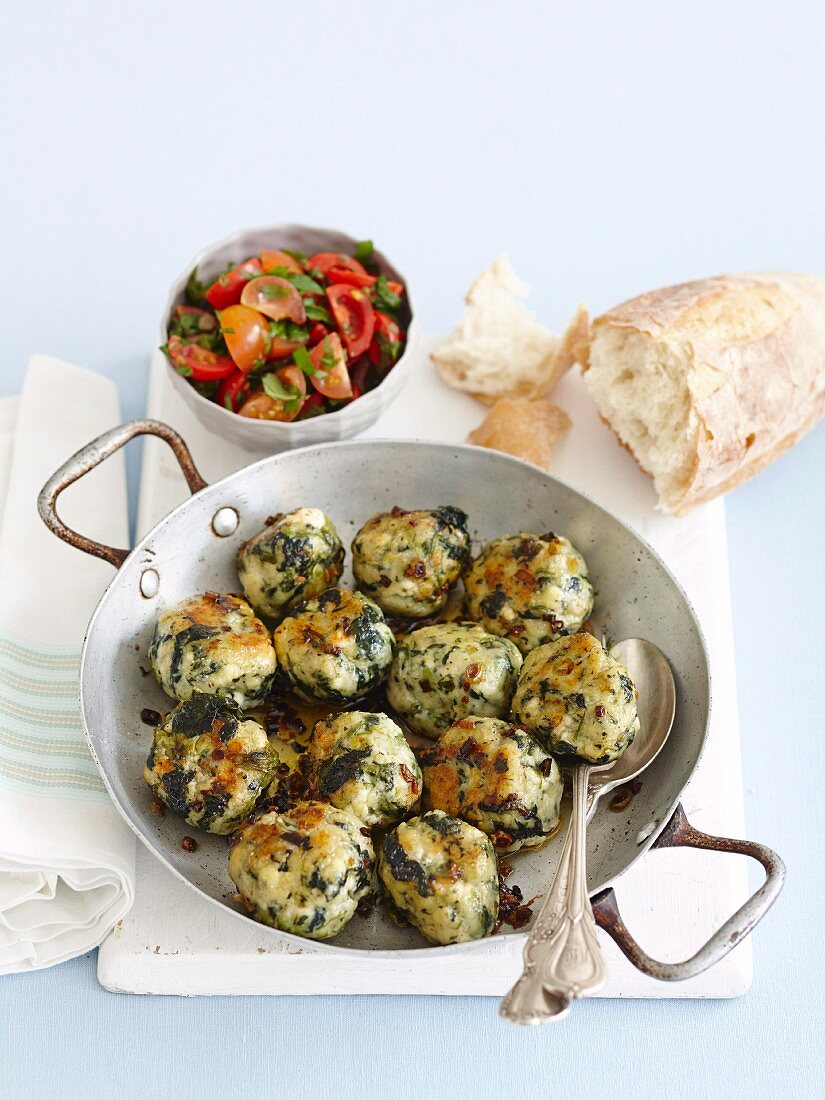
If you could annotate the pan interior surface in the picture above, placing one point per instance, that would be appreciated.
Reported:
(635, 597)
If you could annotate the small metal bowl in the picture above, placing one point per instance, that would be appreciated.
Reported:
(269, 436)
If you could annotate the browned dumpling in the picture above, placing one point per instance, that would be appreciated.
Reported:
(497, 777)
(529, 588)
(408, 561)
(213, 644)
(577, 700)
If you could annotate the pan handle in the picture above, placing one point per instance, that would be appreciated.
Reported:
(92, 455)
(679, 833)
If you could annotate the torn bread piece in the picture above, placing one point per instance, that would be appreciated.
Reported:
(708, 382)
(572, 347)
(498, 348)
(526, 427)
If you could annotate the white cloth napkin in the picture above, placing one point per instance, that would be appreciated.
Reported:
(67, 859)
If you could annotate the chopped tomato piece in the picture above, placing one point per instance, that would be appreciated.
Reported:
(281, 348)
(265, 406)
(233, 391)
(313, 406)
(274, 297)
(197, 363)
(337, 274)
(317, 333)
(247, 335)
(272, 258)
(227, 288)
(323, 261)
(354, 317)
(386, 341)
(330, 361)
(357, 278)
(293, 376)
(190, 320)
(358, 373)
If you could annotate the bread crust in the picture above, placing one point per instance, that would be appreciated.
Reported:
(527, 427)
(755, 347)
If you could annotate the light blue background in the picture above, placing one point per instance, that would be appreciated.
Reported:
(609, 148)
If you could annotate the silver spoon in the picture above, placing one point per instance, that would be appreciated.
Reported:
(562, 956)
(656, 707)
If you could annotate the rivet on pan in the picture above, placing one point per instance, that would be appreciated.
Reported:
(149, 583)
(225, 522)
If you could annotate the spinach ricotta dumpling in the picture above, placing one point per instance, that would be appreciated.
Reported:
(409, 561)
(213, 644)
(303, 871)
(209, 764)
(577, 700)
(296, 556)
(498, 778)
(361, 762)
(530, 588)
(448, 670)
(440, 874)
(334, 648)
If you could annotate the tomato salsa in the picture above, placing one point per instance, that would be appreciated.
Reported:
(286, 336)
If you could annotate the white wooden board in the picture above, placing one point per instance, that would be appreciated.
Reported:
(173, 942)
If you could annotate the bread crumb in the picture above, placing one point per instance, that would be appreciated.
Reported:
(524, 427)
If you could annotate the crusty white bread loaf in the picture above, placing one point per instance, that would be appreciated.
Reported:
(498, 348)
(708, 382)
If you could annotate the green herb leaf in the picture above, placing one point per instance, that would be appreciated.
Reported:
(305, 285)
(329, 358)
(273, 291)
(275, 388)
(363, 251)
(302, 283)
(383, 297)
(198, 328)
(316, 312)
(195, 289)
(295, 254)
(206, 389)
(288, 330)
(389, 349)
(303, 361)
(212, 341)
(190, 325)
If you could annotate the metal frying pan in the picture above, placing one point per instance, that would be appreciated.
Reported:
(193, 550)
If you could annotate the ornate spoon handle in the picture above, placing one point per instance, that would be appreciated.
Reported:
(562, 958)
